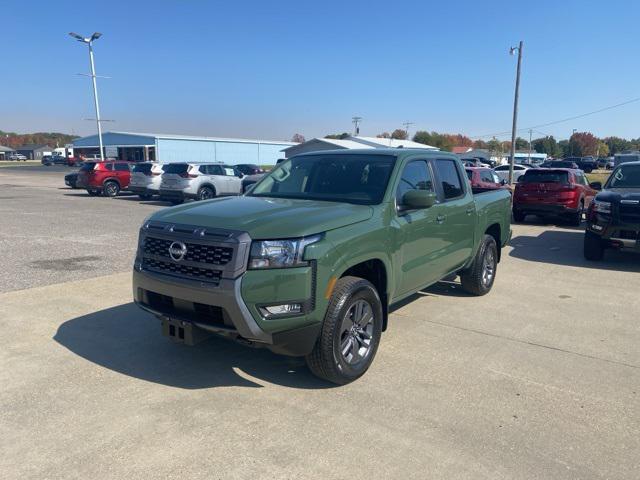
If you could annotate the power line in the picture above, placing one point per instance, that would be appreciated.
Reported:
(542, 125)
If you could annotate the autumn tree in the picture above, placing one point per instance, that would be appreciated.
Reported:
(480, 144)
(298, 138)
(399, 134)
(383, 135)
(583, 144)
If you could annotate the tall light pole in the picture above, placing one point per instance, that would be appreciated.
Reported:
(89, 41)
(530, 132)
(515, 110)
(356, 125)
(406, 126)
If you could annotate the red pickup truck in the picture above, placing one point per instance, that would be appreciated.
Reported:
(106, 178)
(553, 192)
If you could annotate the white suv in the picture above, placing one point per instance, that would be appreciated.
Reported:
(145, 179)
(200, 181)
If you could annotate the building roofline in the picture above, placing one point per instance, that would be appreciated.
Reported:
(201, 138)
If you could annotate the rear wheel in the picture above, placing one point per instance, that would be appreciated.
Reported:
(593, 247)
(479, 277)
(205, 193)
(576, 218)
(350, 333)
(110, 188)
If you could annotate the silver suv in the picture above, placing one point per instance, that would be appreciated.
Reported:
(199, 181)
(145, 179)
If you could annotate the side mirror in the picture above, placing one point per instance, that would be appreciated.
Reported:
(503, 182)
(596, 185)
(414, 199)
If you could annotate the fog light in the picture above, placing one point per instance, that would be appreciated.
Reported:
(284, 309)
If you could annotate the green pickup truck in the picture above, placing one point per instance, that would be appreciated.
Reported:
(309, 262)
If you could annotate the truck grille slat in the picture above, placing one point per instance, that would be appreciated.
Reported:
(196, 273)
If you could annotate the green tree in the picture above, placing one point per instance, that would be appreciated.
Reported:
(399, 134)
(603, 149)
(565, 148)
(298, 138)
(547, 145)
(521, 144)
(616, 144)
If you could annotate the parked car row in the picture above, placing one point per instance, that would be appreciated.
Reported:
(173, 182)
(17, 157)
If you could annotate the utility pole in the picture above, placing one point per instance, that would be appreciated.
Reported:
(573, 132)
(406, 128)
(515, 110)
(89, 41)
(530, 131)
(356, 125)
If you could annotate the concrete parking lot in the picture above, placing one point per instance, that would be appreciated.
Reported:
(538, 379)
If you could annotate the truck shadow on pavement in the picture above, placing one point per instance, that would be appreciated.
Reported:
(129, 341)
(564, 247)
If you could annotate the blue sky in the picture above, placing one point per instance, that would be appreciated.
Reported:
(271, 69)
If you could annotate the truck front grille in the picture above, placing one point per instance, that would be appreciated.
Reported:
(206, 254)
(630, 213)
(174, 268)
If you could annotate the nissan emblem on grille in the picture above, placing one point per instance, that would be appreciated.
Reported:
(177, 251)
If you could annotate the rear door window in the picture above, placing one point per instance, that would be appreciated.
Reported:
(214, 170)
(122, 167)
(487, 176)
(142, 168)
(87, 166)
(449, 178)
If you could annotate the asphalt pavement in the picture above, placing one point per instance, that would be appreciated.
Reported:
(540, 379)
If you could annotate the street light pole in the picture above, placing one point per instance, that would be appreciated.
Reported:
(89, 42)
(515, 110)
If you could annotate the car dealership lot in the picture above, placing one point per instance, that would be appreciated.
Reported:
(538, 379)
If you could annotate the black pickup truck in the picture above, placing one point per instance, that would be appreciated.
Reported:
(613, 218)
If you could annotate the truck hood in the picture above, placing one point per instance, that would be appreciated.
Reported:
(265, 218)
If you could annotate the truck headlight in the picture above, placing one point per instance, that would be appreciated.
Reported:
(280, 253)
(601, 207)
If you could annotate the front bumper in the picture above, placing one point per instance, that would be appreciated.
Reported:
(217, 310)
(140, 190)
(614, 234)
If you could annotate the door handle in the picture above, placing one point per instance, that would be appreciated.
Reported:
(440, 218)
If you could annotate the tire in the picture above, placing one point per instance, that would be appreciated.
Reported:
(593, 247)
(352, 297)
(576, 218)
(93, 193)
(145, 196)
(110, 188)
(206, 193)
(176, 201)
(479, 277)
(519, 216)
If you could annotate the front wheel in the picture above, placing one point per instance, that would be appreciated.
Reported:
(593, 248)
(479, 277)
(576, 218)
(350, 332)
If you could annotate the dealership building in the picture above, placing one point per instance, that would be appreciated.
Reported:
(139, 147)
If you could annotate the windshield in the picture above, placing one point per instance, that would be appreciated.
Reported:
(360, 179)
(178, 168)
(545, 176)
(625, 177)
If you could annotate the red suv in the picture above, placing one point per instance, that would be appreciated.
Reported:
(106, 178)
(553, 191)
(483, 178)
